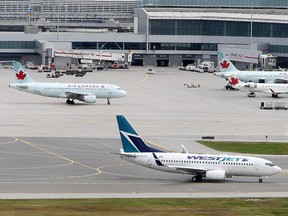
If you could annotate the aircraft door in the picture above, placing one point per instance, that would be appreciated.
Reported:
(256, 166)
(110, 90)
(37, 89)
(262, 81)
(149, 162)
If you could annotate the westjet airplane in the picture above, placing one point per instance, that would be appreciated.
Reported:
(269, 88)
(212, 167)
(227, 69)
(87, 93)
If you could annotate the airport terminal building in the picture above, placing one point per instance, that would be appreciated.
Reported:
(158, 32)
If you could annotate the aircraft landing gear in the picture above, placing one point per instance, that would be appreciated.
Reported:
(70, 101)
(108, 101)
(260, 180)
(197, 178)
(251, 94)
(229, 87)
(275, 95)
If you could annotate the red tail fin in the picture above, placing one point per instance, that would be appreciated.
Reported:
(234, 80)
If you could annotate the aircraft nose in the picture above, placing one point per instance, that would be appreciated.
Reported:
(277, 169)
(123, 93)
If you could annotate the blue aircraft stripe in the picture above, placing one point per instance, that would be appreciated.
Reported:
(140, 144)
(158, 162)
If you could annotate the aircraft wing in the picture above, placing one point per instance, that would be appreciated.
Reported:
(125, 154)
(280, 80)
(76, 95)
(189, 170)
(223, 75)
(278, 92)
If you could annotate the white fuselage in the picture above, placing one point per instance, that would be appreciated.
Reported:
(256, 76)
(233, 165)
(61, 90)
(263, 87)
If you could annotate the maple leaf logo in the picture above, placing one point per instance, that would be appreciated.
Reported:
(234, 80)
(21, 75)
(224, 64)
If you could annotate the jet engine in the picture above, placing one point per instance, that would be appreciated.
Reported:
(89, 99)
(250, 85)
(215, 175)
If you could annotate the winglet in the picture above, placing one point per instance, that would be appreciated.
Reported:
(131, 141)
(184, 150)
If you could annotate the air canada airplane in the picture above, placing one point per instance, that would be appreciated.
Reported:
(212, 167)
(274, 89)
(87, 93)
(227, 69)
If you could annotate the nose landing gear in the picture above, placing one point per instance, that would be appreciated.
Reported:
(70, 101)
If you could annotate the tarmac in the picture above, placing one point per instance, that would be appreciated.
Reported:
(49, 149)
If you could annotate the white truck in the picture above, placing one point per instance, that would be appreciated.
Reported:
(190, 67)
(205, 67)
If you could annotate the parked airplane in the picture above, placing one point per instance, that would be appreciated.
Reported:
(270, 88)
(212, 167)
(72, 91)
(227, 69)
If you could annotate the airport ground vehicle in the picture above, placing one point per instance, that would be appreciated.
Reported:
(205, 67)
(30, 65)
(117, 65)
(55, 74)
(150, 71)
(266, 105)
(278, 105)
(190, 67)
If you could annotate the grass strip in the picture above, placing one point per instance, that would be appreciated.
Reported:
(151, 207)
(273, 148)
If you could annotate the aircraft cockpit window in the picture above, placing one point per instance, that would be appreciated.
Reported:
(269, 164)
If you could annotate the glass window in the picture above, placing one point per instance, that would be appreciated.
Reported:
(17, 44)
(217, 28)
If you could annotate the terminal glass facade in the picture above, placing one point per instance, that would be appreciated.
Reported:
(218, 3)
(217, 28)
(68, 10)
(184, 46)
(108, 46)
(17, 44)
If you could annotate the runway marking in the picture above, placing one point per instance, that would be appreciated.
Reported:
(60, 156)
(52, 166)
(127, 175)
(42, 178)
(9, 142)
(71, 149)
(147, 75)
(157, 145)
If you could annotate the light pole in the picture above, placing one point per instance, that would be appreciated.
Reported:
(58, 14)
(251, 24)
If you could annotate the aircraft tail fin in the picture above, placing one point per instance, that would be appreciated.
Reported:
(131, 141)
(234, 80)
(225, 64)
(21, 74)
